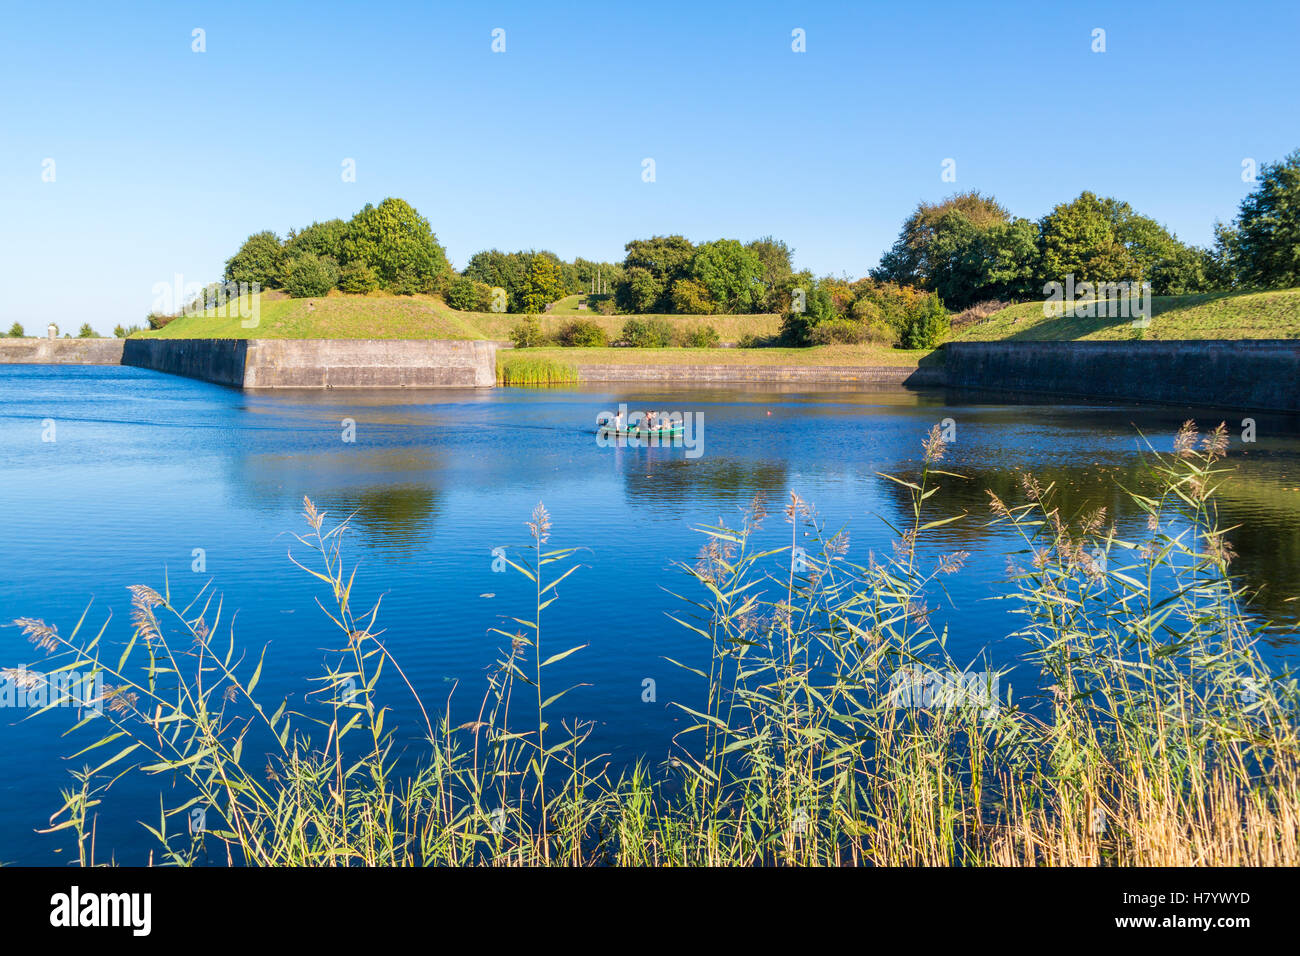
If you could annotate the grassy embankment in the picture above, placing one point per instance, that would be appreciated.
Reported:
(377, 316)
(1211, 315)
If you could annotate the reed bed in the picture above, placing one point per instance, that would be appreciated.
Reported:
(827, 726)
(526, 370)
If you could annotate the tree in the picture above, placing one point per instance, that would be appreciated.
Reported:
(357, 278)
(777, 260)
(398, 244)
(1080, 238)
(308, 275)
(260, 261)
(320, 238)
(86, 332)
(16, 331)
(657, 263)
(732, 274)
(909, 261)
(639, 291)
(927, 329)
(689, 297)
(469, 295)
(544, 283)
(1261, 248)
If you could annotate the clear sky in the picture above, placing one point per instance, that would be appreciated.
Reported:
(166, 159)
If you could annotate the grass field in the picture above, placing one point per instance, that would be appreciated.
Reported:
(378, 316)
(1217, 315)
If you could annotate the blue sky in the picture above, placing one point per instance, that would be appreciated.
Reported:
(166, 159)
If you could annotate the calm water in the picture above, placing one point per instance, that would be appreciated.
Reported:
(147, 468)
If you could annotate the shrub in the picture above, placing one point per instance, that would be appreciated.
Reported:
(358, 278)
(700, 337)
(528, 333)
(927, 329)
(469, 295)
(16, 331)
(581, 333)
(751, 341)
(647, 333)
(604, 304)
(86, 332)
(308, 274)
(836, 330)
(157, 320)
(847, 331)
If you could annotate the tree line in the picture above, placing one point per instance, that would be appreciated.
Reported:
(950, 255)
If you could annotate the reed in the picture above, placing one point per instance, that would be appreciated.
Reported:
(522, 370)
(828, 725)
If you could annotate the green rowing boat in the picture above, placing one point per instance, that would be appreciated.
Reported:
(671, 431)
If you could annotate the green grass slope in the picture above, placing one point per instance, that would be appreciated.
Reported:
(379, 316)
(1213, 315)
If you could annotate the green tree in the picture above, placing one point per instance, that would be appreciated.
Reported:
(544, 283)
(1081, 238)
(16, 331)
(260, 261)
(927, 329)
(308, 275)
(688, 297)
(732, 274)
(1261, 248)
(320, 238)
(500, 270)
(398, 244)
(777, 260)
(653, 265)
(469, 295)
(639, 291)
(909, 261)
(357, 278)
(86, 332)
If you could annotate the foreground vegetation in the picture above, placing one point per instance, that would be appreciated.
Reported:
(826, 728)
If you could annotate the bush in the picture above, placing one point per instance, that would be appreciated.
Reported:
(834, 331)
(581, 333)
(121, 331)
(86, 332)
(700, 337)
(157, 320)
(358, 278)
(928, 328)
(308, 274)
(16, 331)
(849, 332)
(528, 333)
(469, 295)
(647, 333)
(751, 341)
